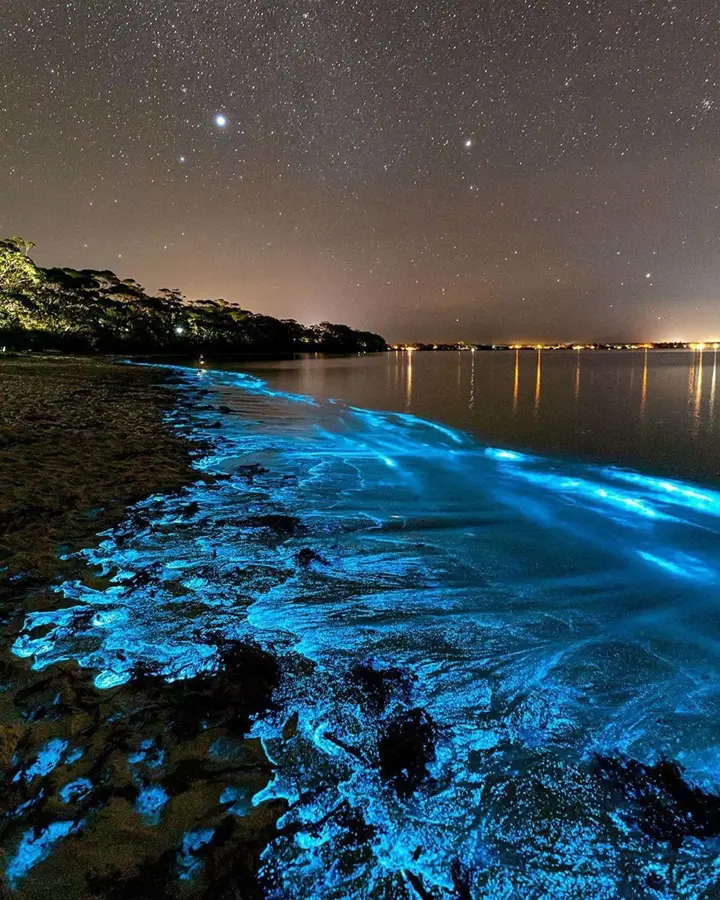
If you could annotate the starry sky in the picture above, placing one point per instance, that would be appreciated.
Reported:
(454, 169)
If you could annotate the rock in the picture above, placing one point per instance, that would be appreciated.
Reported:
(663, 804)
(380, 685)
(406, 746)
(287, 526)
(230, 697)
(290, 728)
(250, 472)
(306, 557)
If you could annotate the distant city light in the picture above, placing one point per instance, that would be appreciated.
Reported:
(538, 347)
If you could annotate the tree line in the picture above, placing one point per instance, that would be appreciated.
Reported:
(86, 310)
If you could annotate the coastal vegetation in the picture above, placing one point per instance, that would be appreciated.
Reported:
(88, 310)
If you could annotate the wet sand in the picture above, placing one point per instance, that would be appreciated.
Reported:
(85, 773)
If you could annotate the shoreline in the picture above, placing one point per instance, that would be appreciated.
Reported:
(74, 431)
(85, 772)
(291, 592)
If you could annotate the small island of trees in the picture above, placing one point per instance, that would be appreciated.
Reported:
(90, 311)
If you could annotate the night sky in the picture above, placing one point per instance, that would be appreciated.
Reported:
(441, 170)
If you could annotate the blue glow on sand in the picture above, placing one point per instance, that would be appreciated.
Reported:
(35, 847)
(47, 759)
(187, 860)
(536, 612)
(147, 754)
(240, 802)
(75, 790)
(150, 802)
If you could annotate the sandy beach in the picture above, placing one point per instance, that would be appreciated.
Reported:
(85, 772)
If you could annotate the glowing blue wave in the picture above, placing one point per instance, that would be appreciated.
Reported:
(538, 611)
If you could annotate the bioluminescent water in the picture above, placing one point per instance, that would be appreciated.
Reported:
(471, 639)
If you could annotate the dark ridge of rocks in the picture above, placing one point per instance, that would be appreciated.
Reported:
(356, 832)
(406, 746)
(462, 879)
(290, 728)
(663, 805)
(250, 472)
(306, 557)
(380, 685)
(418, 885)
(283, 526)
(241, 688)
(232, 858)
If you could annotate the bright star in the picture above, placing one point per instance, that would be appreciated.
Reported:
(468, 143)
(221, 120)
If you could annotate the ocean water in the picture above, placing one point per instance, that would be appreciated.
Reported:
(530, 634)
(655, 410)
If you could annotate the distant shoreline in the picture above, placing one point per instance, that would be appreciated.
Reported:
(464, 346)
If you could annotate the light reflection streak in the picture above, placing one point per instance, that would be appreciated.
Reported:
(698, 390)
(644, 387)
(538, 382)
(516, 382)
(577, 378)
(471, 403)
(408, 378)
(691, 377)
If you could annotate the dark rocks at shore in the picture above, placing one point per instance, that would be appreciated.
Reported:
(186, 740)
(380, 685)
(406, 747)
(661, 803)
(241, 688)
(281, 525)
(306, 557)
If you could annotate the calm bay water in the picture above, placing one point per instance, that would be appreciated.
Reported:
(488, 653)
(656, 411)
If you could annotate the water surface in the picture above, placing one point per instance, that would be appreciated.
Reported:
(654, 410)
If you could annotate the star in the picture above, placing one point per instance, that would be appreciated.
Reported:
(221, 120)
(468, 143)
